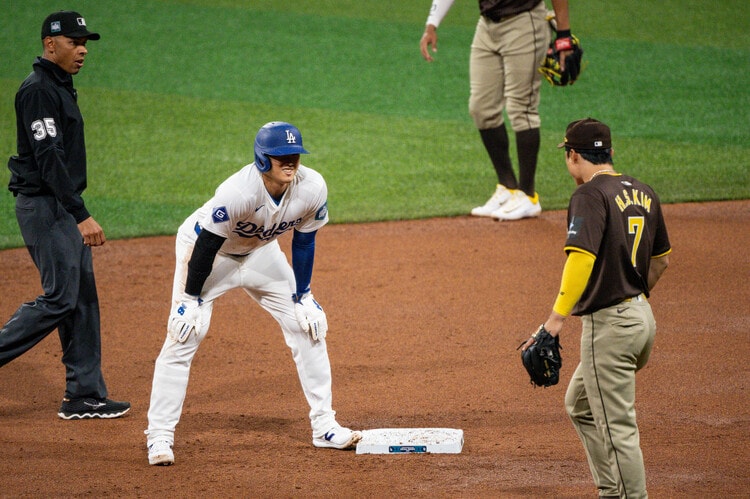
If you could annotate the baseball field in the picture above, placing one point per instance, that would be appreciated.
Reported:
(420, 337)
(426, 305)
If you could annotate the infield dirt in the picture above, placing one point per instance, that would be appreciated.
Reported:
(424, 320)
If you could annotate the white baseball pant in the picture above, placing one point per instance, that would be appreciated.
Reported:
(267, 278)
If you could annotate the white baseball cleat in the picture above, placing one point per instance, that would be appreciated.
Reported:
(498, 199)
(160, 453)
(338, 437)
(519, 206)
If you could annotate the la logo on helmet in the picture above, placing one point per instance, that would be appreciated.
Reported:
(290, 138)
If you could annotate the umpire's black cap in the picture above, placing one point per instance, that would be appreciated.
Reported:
(587, 135)
(67, 23)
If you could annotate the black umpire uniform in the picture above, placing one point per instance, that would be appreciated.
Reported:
(48, 176)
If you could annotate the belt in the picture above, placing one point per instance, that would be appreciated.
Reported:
(640, 297)
(497, 19)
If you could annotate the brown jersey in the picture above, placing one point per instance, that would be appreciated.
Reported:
(619, 221)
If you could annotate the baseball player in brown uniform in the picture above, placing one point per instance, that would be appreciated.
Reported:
(617, 247)
(509, 45)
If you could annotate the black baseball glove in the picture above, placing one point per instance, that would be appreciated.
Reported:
(550, 68)
(542, 359)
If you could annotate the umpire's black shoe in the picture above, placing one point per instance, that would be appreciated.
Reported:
(88, 408)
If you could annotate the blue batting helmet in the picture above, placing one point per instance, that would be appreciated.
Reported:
(276, 138)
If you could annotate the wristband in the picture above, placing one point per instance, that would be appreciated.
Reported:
(563, 44)
(563, 41)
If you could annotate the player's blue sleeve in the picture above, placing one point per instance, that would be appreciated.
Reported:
(303, 254)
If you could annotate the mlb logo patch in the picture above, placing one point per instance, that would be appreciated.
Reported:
(220, 215)
(81, 21)
(55, 27)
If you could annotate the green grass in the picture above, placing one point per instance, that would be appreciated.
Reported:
(174, 92)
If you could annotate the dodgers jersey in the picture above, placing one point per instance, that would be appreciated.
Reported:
(243, 212)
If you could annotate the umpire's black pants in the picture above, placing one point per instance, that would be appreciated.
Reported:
(69, 303)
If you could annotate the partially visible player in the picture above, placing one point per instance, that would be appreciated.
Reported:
(510, 43)
(231, 242)
(617, 248)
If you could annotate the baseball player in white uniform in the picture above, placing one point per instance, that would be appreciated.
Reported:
(231, 242)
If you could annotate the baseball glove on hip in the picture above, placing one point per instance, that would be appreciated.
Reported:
(542, 359)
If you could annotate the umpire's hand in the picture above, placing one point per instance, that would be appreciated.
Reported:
(93, 234)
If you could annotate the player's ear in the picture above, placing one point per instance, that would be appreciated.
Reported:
(572, 156)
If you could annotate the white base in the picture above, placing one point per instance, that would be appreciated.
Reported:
(411, 440)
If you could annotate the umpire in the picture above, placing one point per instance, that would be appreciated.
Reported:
(47, 179)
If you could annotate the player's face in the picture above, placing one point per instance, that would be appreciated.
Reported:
(68, 53)
(283, 168)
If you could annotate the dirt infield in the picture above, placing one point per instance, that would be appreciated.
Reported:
(425, 317)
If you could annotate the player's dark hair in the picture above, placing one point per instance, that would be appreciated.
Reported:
(594, 157)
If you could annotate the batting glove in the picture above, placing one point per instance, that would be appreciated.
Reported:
(185, 319)
(310, 316)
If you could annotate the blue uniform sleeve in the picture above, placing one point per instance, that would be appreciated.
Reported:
(303, 254)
